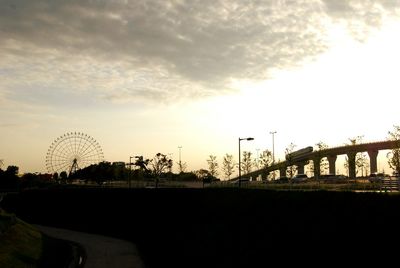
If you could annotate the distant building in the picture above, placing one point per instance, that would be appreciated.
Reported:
(119, 163)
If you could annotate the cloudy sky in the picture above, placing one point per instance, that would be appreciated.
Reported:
(143, 77)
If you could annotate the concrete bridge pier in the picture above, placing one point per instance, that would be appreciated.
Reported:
(332, 164)
(317, 167)
(373, 155)
(300, 167)
(282, 171)
(352, 164)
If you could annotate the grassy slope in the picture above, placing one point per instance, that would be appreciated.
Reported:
(21, 245)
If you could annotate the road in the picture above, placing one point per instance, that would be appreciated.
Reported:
(101, 251)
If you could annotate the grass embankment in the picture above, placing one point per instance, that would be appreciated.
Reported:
(226, 227)
(21, 244)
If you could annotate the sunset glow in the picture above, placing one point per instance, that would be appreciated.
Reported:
(143, 77)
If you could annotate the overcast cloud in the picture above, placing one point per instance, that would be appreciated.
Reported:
(163, 50)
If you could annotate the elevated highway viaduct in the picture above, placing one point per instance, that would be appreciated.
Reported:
(331, 154)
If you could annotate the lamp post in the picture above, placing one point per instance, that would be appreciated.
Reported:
(273, 151)
(240, 168)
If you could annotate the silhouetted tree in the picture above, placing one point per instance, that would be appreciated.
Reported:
(247, 162)
(212, 165)
(63, 176)
(142, 163)
(181, 167)
(55, 176)
(394, 155)
(202, 174)
(29, 180)
(160, 164)
(228, 166)
(291, 169)
(12, 171)
(265, 160)
(9, 178)
(205, 176)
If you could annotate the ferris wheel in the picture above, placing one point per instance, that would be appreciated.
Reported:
(73, 151)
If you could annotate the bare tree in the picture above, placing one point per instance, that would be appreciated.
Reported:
(362, 164)
(291, 169)
(247, 162)
(212, 165)
(228, 166)
(182, 167)
(394, 155)
(265, 160)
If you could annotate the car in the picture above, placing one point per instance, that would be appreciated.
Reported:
(300, 178)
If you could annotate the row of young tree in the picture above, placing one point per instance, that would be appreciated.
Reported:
(247, 163)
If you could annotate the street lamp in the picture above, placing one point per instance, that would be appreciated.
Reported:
(273, 151)
(240, 168)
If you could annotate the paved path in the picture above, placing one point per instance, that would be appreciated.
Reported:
(101, 251)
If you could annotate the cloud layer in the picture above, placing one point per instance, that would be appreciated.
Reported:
(162, 50)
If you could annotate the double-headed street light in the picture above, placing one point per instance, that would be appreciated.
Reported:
(240, 168)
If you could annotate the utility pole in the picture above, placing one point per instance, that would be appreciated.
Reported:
(273, 151)
(180, 162)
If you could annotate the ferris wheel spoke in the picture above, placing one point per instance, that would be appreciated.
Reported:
(62, 167)
(85, 146)
(71, 145)
(79, 145)
(89, 146)
(64, 147)
(89, 152)
(56, 155)
(62, 154)
(57, 150)
(76, 144)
